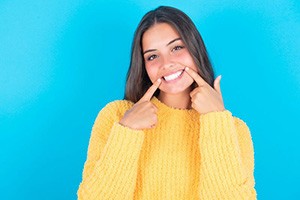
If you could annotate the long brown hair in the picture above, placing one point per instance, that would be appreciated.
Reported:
(138, 81)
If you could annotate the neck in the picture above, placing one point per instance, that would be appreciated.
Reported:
(180, 100)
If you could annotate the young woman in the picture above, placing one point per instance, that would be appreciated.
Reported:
(171, 138)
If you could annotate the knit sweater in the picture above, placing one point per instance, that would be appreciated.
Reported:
(186, 156)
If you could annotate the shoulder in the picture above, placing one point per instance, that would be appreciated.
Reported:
(111, 112)
(115, 109)
(243, 132)
(118, 105)
(240, 124)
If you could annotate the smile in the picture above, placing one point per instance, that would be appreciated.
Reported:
(173, 76)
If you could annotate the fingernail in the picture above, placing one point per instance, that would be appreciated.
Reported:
(187, 68)
(159, 80)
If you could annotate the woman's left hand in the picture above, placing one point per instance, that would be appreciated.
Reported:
(204, 98)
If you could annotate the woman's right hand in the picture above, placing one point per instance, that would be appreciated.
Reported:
(142, 115)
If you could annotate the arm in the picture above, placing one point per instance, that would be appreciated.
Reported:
(227, 158)
(110, 170)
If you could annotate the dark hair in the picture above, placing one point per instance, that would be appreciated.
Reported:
(138, 81)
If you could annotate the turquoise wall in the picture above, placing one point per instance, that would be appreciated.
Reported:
(62, 61)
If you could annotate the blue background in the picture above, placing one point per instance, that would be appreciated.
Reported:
(62, 61)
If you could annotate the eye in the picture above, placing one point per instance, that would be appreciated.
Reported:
(151, 57)
(178, 47)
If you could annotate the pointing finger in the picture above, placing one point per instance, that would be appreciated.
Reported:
(150, 92)
(199, 80)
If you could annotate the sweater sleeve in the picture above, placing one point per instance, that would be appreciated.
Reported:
(110, 170)
(227, 158)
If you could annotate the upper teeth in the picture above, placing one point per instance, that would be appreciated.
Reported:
(173, 76)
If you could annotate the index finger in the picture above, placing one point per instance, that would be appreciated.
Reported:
(150, 92)
(199, 80)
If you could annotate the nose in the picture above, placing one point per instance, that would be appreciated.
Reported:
(167, 62)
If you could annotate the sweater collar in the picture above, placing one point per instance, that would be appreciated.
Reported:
(165, 108)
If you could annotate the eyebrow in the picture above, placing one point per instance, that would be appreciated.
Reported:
(172, 41)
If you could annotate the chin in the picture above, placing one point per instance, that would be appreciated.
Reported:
(176, 90)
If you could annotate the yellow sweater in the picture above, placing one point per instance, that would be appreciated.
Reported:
(186, 156)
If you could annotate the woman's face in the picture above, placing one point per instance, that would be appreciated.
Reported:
(165, 57)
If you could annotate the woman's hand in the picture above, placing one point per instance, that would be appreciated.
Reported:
(142, 115)
(204, 98)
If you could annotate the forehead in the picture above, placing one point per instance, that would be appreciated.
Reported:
(159, 35)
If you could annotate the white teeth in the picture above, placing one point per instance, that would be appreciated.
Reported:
(173, 76)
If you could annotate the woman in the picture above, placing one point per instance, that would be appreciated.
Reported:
(171, 138)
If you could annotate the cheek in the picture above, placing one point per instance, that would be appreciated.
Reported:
(187, 60)
(152, 72)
